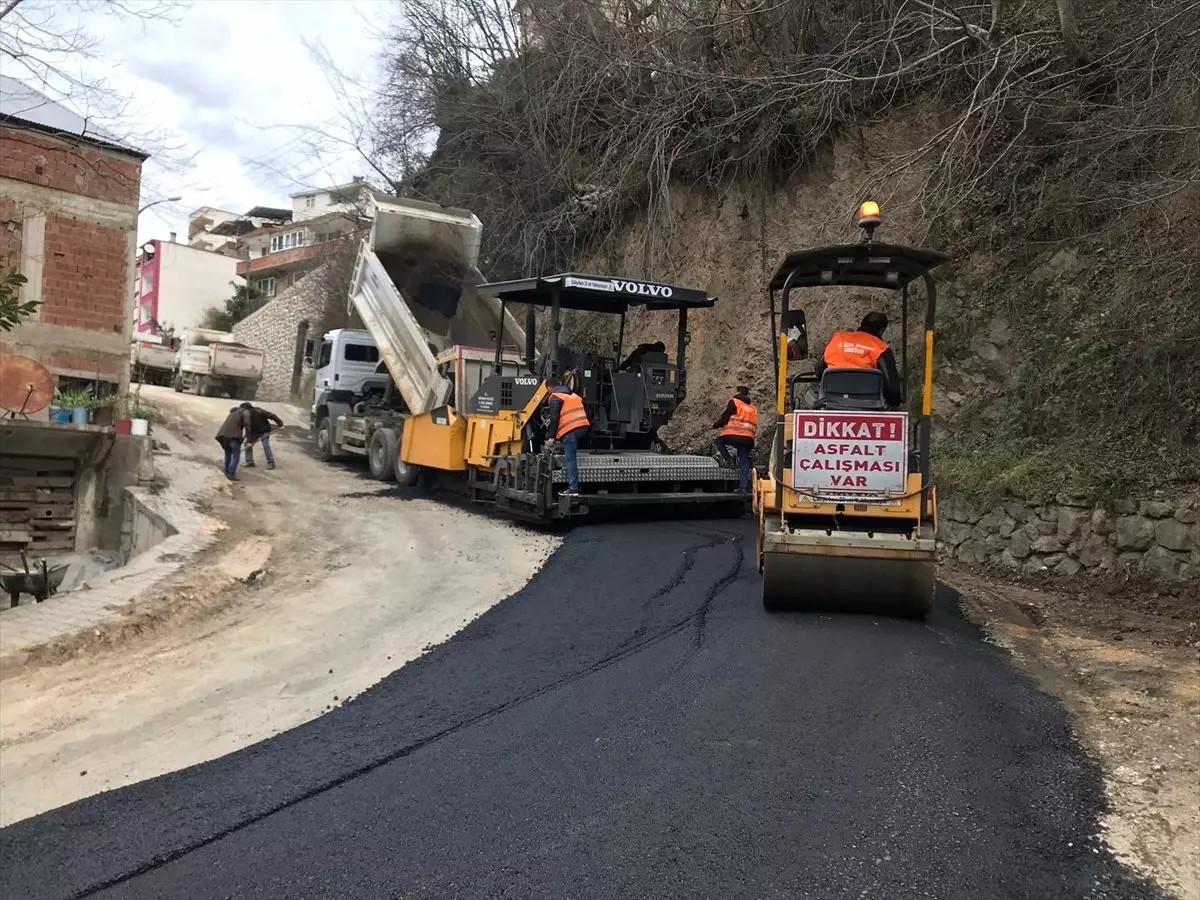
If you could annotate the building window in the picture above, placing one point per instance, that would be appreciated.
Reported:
(288, 241)
(147, 283)
(265, 287)
(360, 353)
(310, 202)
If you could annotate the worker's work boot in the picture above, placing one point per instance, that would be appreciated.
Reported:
(270, 466)
(248, 465)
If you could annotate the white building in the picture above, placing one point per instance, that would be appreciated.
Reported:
(177, 283)
(344, 198)
(219, 230)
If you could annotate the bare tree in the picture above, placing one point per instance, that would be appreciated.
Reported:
(48, 44)
(53, 48)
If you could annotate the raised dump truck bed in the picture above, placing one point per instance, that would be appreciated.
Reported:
(414, 289)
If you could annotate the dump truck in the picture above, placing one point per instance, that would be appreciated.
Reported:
(463, 404)
(213, 363)
(428, 334)
(847, 511)
(151, 360)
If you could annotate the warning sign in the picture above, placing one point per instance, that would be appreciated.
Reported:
(861, 453)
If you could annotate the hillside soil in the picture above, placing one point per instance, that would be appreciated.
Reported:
(321, 583)
(1127, 666)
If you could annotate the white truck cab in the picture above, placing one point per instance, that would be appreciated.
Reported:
(347, 368)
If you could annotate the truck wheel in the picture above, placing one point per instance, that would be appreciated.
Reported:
(200, 386)
(406, 475)
(381, 453)
(177, 383)
(325, 448)
(250, 393)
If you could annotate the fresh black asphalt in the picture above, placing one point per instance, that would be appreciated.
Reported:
(631, 724)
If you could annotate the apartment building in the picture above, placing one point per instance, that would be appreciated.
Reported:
(176, 283)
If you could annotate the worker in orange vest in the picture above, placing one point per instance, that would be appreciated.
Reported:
(568, 424)
(739, 428)
(865, 349)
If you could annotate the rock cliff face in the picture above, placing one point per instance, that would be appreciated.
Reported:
(730, 241)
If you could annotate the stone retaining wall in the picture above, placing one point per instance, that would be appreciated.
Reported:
(1157, 538)
(274, 329)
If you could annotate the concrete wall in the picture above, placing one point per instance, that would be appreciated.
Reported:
(274, 328)
(180, 282)
(142, 527)
(68, 220)
(101, 493)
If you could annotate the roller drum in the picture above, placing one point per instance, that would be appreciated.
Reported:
(797, 581)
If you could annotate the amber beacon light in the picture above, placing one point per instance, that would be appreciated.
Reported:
(868, 215)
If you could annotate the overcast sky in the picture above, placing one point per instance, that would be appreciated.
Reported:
(218, 84)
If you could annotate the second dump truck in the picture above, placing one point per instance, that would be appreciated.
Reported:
(457, 393)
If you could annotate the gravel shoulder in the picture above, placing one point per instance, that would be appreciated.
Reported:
(1125, 662)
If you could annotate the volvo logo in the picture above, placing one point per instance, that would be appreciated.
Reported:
(644, 290)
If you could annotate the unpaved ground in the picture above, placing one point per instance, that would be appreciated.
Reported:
(1127, 666)
(322, 583)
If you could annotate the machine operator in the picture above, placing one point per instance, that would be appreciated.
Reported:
(865, 349)
(739, 428)
(568, 423)
(639, 353)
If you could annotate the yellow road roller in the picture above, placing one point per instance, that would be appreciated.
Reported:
(847, 513)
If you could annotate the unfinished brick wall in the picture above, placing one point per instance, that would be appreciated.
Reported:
(26, 155)
(10, 234)
(68, 213)
(84, 280)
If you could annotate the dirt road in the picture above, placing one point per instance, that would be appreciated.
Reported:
(349, 583)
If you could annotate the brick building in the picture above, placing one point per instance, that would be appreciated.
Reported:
(68, 222)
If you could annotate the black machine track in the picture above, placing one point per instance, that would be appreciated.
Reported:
(631, 724)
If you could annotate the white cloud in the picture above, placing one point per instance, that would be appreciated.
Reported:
(218, 84)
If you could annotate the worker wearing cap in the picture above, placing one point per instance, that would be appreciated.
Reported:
(739, 428)
(865, 349)
(568, 424)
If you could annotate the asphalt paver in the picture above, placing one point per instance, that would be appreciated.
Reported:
(631, 724)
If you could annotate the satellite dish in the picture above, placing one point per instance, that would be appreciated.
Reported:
(26, 386)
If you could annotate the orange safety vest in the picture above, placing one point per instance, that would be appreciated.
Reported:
(744, 421)
(571, 416)
(854, 350)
